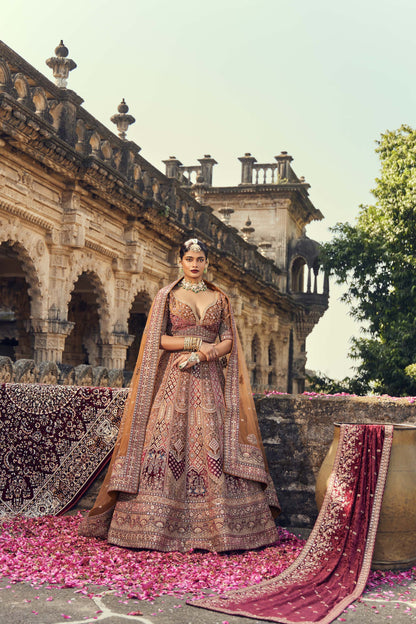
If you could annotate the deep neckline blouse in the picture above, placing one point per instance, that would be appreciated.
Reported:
(199, 319)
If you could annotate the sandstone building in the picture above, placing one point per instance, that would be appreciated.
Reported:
(89, 232)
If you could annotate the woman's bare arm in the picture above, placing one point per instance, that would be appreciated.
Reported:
(172, 343)
(207, 350)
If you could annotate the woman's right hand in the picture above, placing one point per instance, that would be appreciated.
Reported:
(208, 351)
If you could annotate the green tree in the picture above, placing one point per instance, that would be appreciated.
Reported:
(376, 260)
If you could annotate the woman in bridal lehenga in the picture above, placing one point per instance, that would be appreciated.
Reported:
(188, 469)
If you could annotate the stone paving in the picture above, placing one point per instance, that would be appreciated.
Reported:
(21, 603)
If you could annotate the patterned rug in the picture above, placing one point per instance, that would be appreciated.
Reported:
(332, 569)
(54, 440)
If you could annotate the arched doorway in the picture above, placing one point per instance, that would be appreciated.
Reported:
(271, 377)
(255, 360)
(15, 339)
(298, 275)
(83, 345)
(136, 323)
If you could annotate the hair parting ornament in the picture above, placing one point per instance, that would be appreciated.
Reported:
(192, 245)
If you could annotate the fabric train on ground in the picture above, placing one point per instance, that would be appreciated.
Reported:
(333, 567)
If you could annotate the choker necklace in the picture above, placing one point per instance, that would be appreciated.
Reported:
(198, 287)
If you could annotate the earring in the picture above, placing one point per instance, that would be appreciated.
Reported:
(180, 270)
(206, 270)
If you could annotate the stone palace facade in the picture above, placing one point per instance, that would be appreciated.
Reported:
(89, 231)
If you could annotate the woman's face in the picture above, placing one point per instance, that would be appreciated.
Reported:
(193, 264)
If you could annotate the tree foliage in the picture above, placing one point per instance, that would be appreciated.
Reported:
(376, 259)
(319, 382)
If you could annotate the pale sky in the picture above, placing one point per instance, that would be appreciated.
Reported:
(320, 79)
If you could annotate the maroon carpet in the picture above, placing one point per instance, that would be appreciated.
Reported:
(53, 441)
(332, 569)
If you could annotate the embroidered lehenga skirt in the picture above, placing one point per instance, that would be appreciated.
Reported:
(184, 498)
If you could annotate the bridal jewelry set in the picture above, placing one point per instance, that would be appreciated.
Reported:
(192, 343)
(196, 288)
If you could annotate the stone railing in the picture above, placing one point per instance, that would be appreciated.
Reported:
(279, 172)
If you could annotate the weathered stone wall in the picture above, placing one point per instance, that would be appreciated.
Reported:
(297, 432)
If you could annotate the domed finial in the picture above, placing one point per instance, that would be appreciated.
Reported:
(60, 65)
(122, 107)
(61, 50)
(122, 120)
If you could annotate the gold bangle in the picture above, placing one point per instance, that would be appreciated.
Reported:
(192, 343)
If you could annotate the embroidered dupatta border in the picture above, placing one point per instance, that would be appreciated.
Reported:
(306, 567)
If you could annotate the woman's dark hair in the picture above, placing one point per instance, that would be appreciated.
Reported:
(187, 244)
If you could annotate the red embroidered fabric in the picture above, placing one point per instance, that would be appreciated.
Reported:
(332, 569)
(188, 470)
(54, 440)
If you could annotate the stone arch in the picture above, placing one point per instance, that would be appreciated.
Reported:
(30, 271)
(303, 254)
(297, 274)
(271, 353)
(88, 309)
(31, 252)
(272, 360)
(138, 313)
(19, 290)
(255, 360)
(255, 349)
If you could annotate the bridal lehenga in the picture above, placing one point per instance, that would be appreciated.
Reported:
(188, 470)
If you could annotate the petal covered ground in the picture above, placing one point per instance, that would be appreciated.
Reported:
(49, 550)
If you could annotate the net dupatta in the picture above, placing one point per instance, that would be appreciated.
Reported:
(244, 454)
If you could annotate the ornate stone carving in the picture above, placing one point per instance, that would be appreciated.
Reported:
(92, 223)
(60, 65)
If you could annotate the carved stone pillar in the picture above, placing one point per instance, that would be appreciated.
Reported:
(49, 339)
(284, 160)
(114, 349)
(74, 222)
(172, 165)
(207, 164)
(247, 162)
